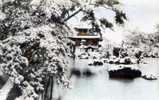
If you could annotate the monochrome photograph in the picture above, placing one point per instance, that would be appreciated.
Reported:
(79, 50)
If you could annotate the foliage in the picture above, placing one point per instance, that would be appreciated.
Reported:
(34, 43)
(148, 43)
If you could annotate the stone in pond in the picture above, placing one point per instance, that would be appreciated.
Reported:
(124, 72)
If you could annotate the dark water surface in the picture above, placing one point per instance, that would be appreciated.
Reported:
(100, 87)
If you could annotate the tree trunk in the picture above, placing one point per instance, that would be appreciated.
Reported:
(75, 13)
(52, 86)
(6, 89)
(47, 95)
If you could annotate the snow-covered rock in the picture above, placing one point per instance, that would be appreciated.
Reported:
(95, 62)
(149, 76)
(124, 72)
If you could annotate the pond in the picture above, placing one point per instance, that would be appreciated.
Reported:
(100, 87)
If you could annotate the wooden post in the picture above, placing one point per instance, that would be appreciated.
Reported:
(52, 86)
(46, 90)
(48, 93)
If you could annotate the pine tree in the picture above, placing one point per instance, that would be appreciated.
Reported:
(34, 44)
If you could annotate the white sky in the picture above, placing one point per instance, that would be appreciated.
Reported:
(143, 15)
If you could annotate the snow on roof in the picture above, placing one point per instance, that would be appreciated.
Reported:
(86, 37)
(83, 24)
(91, 46)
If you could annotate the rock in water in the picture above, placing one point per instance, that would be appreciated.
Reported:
(149, 77)
(124, 72)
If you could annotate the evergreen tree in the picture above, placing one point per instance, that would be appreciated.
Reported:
(33, 39)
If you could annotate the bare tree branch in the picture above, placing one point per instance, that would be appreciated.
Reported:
(75, 13)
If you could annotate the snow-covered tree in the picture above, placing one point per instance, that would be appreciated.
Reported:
(34, 44)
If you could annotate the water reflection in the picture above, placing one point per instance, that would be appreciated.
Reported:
(100, 87)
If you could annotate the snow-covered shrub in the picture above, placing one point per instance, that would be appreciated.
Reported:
(32, 48)
(35, 54)
(33, 39)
